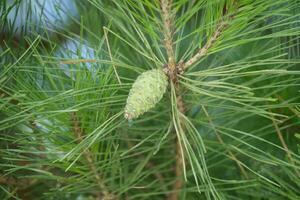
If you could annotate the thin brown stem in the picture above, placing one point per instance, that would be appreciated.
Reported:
(221, 141)
(77, 61)
(293, 110)
(172, 71)
(110, 55)
(178, 184)
(168, 32)
(203, 51)
(221, 26)
(179, 158)
(149, 165)
(157, 175)
(78, 131)
(20, 183)
(283, 143)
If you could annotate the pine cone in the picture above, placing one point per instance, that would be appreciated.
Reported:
(146, 92)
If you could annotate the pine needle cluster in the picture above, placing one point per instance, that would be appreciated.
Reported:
(227, 127)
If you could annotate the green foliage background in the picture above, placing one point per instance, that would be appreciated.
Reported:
(57, 111)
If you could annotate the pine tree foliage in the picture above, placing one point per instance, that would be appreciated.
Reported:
(227, 127)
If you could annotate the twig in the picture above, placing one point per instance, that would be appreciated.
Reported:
(157, 175)
(20, 183)
(110, 55)
(293, 110)
(283, 143)
(179, 159)
(231, 155)
(172, 71)
(104, 193)
(178, 184)
(149, 165)
(221, 26)
(76, 61)
(168, 36)
(202, 51)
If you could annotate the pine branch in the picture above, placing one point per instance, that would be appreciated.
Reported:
(178, 184)
(234, 90)
(21, 184)
(110, 55)
(172, 71)
(221, 27)
(203, 51)
(293, 110)
(78, 61)
(149, 165)
(104, 192)
(221, 141)
(283, 143)
(168, 36)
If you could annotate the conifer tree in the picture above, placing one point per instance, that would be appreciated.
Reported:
(150, 99)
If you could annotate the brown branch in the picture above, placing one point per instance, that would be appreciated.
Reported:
(149, 165)
(157, 175)
(172, 71)
(168, 33)
(283, 143)
(178, 184)
(77, 61)
(104, 193)
(110, 55)
(203, 51)
(293, 110)
(221, 26)
(20, 183)
(221, 141)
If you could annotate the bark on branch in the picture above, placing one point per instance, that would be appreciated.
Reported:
(203, 51)
(168, 32)
(221, 26)
(104, 193)
(172, 71)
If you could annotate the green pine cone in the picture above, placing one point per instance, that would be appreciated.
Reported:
(146, 92)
